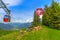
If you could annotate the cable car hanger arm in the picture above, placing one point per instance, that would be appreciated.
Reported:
(4, 7)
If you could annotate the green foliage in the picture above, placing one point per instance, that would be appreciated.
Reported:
(36, 20)
(51, 17)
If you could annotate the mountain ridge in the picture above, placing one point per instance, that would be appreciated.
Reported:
(9, 26)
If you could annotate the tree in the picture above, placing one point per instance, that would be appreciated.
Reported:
(51, 17)
(36, 20)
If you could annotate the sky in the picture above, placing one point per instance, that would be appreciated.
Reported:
(22, 10)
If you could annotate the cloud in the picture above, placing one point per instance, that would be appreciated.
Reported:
(23, 21)
(30, 19)
(13, 2)
(57, 1)
(1, 11)
(24, 17)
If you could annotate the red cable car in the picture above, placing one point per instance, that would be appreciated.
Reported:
(6, 18)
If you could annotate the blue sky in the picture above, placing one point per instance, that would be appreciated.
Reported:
(22, 10)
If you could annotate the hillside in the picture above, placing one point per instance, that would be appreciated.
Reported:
(14, 26)
(5, 32)
(43, 34)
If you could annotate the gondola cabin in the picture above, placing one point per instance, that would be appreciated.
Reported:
(6, 18)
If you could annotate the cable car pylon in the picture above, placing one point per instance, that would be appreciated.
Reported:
(7, 16)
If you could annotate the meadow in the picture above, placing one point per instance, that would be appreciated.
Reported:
(44, 34)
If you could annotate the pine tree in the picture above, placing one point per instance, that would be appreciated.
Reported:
(51, 17)
(36, 20)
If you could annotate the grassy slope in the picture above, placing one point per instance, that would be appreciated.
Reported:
(43, 34)
(4, 32)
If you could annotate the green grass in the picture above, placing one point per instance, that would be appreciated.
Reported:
(43, 34)
(4, 32)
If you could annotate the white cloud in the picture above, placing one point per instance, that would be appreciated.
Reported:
(15, 20)
(23, 21)
(12, 2)
(29, 20)
(57, 0)
(1, 10)
(22, 17)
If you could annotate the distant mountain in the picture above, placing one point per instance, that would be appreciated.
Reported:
(9, 26)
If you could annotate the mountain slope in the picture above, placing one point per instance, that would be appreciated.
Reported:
(9, 26)
(43, 34)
